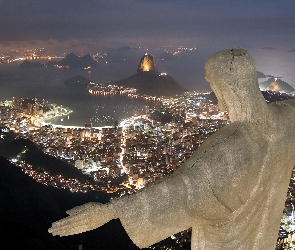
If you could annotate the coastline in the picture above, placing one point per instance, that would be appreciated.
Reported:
(41, 121)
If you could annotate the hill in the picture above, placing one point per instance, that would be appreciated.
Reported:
(29, 152)
(260, 75)
(151, 83)
(74, 61)
(28, 64)
(28, 208)
(276, 84)
(269, 96)
(276, 96)
(77, 82)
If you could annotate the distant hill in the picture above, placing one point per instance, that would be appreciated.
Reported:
(276, 84)
(151, 83)
(28, 64)
(275, 96)
(77, 81)
(74, 61)
(36, 158)
(260, 75)
(147, 81)
(165, 56)
(269, 96)
(28, 208)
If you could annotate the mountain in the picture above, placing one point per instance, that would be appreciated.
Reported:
(29, 152)
(269, 96)
(276, 84)
(28, 208)
(165, 56)
(260, 75)
(28, 64)
(74, 61)
(275, 96)
(147, 81)
(78, 82)
(151, 83)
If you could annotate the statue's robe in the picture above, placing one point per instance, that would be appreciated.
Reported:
(231, 192)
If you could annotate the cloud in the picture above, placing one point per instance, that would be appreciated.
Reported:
(160, 22)
(52, 46)
(268, 48)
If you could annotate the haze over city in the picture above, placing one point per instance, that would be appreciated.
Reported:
(212, 23)
(264, 28)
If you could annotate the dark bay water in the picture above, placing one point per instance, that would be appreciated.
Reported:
(47, 83)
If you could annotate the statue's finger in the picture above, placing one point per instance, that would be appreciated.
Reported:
(75, 225)
(66, 230)
(68, 224)
(72, 220)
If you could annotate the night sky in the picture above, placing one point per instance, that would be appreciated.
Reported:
(265, 28)
(149, 22)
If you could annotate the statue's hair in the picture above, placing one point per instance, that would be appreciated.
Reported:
(233, 77)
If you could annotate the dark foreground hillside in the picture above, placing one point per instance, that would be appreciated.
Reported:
(28, 208)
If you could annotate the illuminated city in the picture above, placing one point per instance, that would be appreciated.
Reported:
(105, 99)
(140, 147)
(137, 150)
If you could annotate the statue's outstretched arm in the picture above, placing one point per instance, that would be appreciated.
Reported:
(205, 188)
(152, 214)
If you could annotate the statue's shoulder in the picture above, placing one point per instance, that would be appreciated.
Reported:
(290, 103)
(228, 134)
(283, 110)
(233, 138)
(225, 133)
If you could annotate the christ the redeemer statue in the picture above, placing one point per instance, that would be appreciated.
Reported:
(231, 191)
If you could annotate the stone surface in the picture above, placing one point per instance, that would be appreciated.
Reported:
(231, 191)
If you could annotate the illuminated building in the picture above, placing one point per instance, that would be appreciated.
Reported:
(80, 164)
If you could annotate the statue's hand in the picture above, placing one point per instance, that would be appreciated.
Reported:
(83, 218)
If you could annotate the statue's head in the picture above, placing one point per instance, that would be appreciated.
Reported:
(233, 78)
